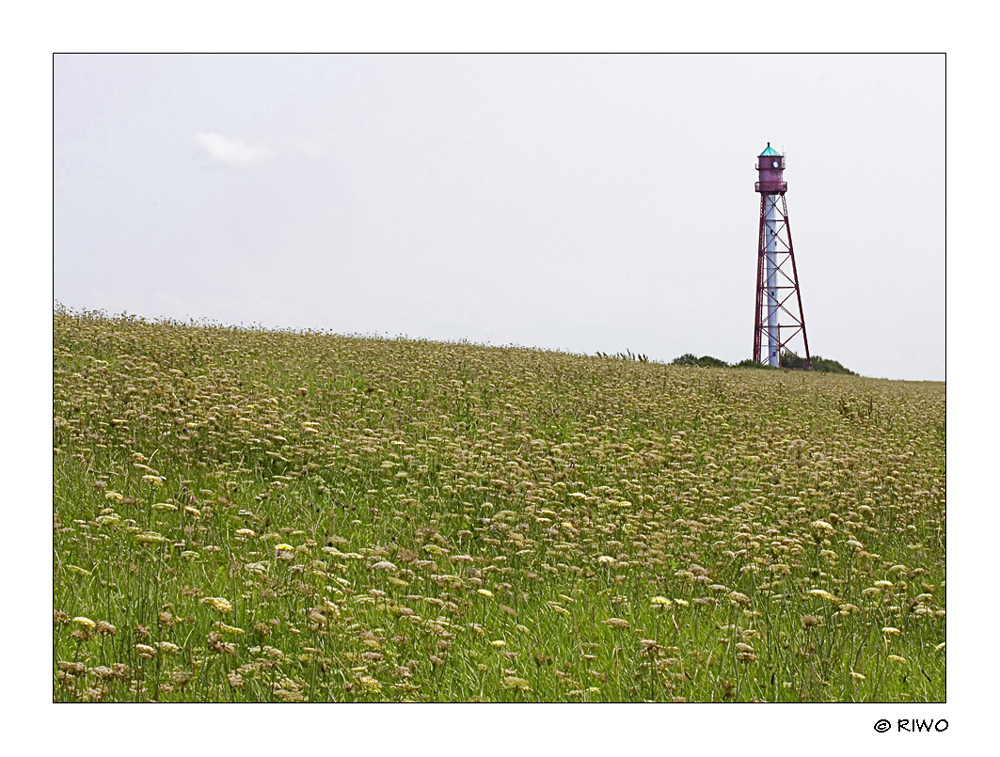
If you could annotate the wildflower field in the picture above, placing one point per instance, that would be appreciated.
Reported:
(248, 515)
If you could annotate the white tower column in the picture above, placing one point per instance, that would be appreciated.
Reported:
(770, 236)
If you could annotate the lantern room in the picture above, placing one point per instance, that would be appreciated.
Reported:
(770, 165)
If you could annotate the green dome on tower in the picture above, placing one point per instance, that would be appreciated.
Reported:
(769, 151)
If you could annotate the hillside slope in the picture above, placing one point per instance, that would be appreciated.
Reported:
(262, 516)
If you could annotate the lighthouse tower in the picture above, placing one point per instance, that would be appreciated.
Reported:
(778, 319)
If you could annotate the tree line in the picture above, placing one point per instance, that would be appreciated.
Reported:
(787, 360)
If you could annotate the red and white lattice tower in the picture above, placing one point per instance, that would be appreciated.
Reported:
(778, 317)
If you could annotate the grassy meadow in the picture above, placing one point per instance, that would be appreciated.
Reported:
(250, 515)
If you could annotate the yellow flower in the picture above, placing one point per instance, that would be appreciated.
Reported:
(897, 658)
(512, 682)
(890, 631)
(484, 592)
(85, 622)
(150, 537)
(218, 604)
(824, 594)
(662, 601)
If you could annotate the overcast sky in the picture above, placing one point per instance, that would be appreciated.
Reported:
(581, 203)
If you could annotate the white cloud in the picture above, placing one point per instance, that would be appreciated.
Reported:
(229, 151)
